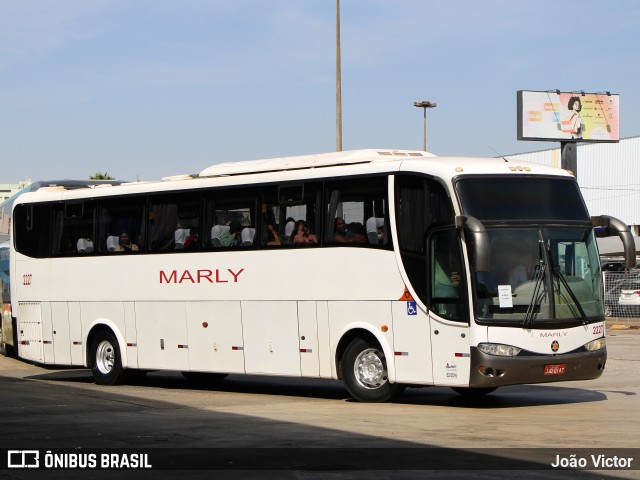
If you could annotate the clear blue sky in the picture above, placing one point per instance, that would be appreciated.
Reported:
(150, 88)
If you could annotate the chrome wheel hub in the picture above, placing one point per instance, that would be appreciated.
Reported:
(105, 357)
(369, 369)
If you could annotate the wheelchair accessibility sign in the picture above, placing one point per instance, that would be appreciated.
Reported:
(412, 308)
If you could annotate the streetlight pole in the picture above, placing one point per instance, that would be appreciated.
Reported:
(424, 105)
(338, 83)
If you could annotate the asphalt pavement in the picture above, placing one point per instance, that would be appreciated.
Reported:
(618, 323)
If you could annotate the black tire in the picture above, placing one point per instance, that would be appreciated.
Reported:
(204, 378)
(473, 392)
(364, 372)
(106, 361)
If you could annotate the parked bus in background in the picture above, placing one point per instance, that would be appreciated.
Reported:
(383, 268)
(7, 321)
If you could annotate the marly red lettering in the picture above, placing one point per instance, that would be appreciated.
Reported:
(235, 275)
(199, 276)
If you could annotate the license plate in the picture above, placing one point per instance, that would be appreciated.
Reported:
(555, 369)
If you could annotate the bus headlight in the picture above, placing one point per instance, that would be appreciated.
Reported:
(597, 344)
(499, 349)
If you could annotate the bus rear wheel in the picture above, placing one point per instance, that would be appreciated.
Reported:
(106, 361)
(364, 371)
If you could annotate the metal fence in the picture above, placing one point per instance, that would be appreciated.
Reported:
(614, 282)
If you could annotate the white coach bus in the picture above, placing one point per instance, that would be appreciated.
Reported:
(386, 269)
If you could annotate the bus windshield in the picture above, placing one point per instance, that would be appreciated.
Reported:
(540, 276)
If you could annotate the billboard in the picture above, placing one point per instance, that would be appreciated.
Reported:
(568, 116)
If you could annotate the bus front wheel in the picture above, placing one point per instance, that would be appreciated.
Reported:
(106, 361)
(364, 371)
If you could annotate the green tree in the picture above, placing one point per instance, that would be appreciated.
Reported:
(101, 176)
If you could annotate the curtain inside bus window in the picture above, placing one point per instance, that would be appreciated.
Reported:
(163, 222)
(334, 199)
(174, 222)
(272, 223)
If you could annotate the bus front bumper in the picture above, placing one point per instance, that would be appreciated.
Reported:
(494, 371)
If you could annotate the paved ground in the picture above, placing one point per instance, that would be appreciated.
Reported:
(53, 408)
(623, 323)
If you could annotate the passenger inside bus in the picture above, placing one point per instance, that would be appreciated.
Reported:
(301, 235)
(125, 244)
(272, 236)
(231, 238)
(522, 266)
(191, 243)
(342, 234)
(512, 263)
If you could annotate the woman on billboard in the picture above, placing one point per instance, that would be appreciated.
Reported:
(572, 124)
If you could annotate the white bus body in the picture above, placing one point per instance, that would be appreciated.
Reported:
(369, 313)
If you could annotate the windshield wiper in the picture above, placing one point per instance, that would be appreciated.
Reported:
(537, 296)
(538, 291)
(561, 278)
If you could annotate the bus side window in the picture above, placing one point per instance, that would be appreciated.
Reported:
(230, 218)
(174, 221)
(73, 228)
(357, 212)
(289, 205)
(121, 216)
(33, 230)
(446, 292)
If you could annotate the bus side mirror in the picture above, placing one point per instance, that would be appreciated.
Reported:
(481, 250)
(613, 225)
